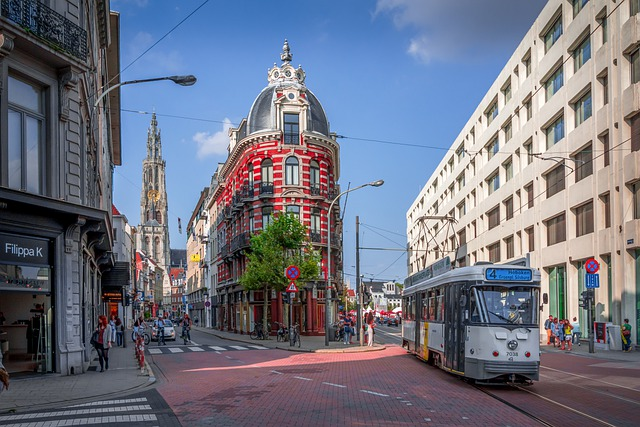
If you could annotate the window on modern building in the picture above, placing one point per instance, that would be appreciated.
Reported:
(553, 34)
(291, 129)
(266, 177)
(291, 171)
(635, 65)
(493, 182)
(508, 132)
(604, 82)
(462, 209)
(508, 170)
(460, 152)
(493, 147)
(494, 252)
(493, 217)
(474, 228)
(462, 236)
(584, 163)
(635, 132)
(634, 6)
(578, 5)
(509, 246)
(295, 210)
(506, 92)
(26, 128)
(556, 230)
(460, 181)
(492, 112)
(553, 84)
(635, 190)
(472, 198)
(450, 164)
(508, 208)
(604, 138)
(555, 180)
(606, 210)
(267, 216)
(604, 25)
(314, 178)
(529, 189)
(528, 108)
(584, 219)
(530, 239)
(526, 61)
(582, 54)
(528, 148)
(451, 191)
(582, 108)
(554, 132)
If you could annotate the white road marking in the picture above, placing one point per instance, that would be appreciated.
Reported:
(374, 393)
(196, 348)
(135, 418)
(155, 351)
(259, 347)
(175, 350)
(128, 408)
(215, 347)
(238, 347)
(110, 402)
(335, 385)
(276, 372)
(303, 378)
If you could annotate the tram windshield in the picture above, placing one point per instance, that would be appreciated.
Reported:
(505, 304)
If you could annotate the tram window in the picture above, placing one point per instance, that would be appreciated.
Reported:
(425, 301)
(510, 304)
(440, 305)
(473, 307)
(432, 305)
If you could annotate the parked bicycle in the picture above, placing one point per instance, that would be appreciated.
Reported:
(294, 335)
(283, 332)
(339, 334)
(259, 333)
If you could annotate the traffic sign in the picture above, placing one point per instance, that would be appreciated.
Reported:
(592, 281)
(592, 266)
(207, 304)
(292, 272)
(292, 287)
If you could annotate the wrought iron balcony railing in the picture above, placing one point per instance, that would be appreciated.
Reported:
(47, 25)
(315, 236)
(315, 189)
(266, 188)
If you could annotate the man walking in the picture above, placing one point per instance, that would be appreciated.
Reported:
(160, 328)
(547, 327)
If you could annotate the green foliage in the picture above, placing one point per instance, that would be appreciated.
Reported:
(283, 243)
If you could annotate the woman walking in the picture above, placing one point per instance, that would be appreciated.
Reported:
(370, 331)
(186, 328)
(103, 342)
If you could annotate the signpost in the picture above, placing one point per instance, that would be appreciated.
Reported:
(292, 273)
(591, 282)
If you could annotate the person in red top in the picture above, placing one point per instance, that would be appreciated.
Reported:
(103, 342)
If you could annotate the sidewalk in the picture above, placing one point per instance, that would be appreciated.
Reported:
(606, 355)
(123, 376)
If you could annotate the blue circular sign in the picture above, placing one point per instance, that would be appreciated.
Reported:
(292, 272)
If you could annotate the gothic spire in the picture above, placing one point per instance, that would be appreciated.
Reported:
(154, 142)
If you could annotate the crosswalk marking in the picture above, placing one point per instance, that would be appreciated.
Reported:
(238, 347)
(110, 402)
(66, 413)
(175, 350)
(216, 348)
(133, 418)
(203, 348)
(259, 347)
(155, 351)
(196, 348)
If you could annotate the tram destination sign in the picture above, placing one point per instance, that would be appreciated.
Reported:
(508, 275)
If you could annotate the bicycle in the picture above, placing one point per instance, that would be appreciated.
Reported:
(283, 332)
(141, 332)
(259, 333)
(294, 335)
(339, 331)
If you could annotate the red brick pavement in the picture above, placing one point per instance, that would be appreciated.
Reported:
(387, 388)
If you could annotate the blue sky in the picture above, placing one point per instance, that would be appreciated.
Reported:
(397, 78)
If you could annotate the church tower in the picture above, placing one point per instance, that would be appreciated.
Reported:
(153, 236)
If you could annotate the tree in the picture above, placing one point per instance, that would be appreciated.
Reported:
(283, 243)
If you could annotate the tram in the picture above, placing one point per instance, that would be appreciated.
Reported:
(479, 322)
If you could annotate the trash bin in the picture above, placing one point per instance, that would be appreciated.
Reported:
(332, 333)
(615, 337)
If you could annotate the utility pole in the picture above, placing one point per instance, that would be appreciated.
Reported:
(359, 322)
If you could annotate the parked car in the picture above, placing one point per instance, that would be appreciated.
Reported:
(169, 331)
(392, 321)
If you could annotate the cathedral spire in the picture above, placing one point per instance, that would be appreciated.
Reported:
(154, 142)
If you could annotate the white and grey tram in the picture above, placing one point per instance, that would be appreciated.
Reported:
(479, 322)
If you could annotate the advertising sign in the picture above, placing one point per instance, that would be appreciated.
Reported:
(23, 250)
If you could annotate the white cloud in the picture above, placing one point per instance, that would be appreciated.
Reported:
(449, 30)
(213, 144)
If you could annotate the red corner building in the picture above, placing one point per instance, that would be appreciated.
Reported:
(282, 157)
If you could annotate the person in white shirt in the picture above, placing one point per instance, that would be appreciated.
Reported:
(576, 331)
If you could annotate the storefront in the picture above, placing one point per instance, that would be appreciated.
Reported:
(26, 303)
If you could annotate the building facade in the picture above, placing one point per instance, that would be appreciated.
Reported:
(548, 165)
(59, 143)
(282, 158)
(197, 287)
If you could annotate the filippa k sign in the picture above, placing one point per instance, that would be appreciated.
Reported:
(20, 250)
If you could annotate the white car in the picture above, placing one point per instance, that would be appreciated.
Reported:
(169, 331)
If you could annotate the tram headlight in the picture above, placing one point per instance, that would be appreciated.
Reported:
(513, 344)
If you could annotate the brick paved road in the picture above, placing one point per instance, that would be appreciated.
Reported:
(275, 387)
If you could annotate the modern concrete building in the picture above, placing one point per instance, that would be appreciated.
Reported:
(549, 164)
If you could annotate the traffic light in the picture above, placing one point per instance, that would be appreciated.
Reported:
(585, 299)
(366, 296)
(286, 298)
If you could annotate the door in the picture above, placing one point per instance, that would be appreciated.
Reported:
(455, 304)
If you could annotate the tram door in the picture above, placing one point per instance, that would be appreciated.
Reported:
(454, 328)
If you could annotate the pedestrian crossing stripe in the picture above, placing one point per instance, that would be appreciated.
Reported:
(73, 412)
(112, 419)
(259, 347)
(216, 348)
(195, 349)
(237, 347)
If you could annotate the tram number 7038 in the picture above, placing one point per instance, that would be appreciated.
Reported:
(512, 353)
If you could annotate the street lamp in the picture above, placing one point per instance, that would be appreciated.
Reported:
(327, 293)
(181, 80)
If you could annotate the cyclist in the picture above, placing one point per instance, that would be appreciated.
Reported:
(186, 327)
(139, 323)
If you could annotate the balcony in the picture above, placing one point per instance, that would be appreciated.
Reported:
(224, 251)
(240, 241)
(247, 191)
(236, 201)
(227, 212)
(314, 190)
(45, 24)
(315, 237)
(266, 188)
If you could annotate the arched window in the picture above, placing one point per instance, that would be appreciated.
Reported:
(158, 248)
(159, 217)
(314, 178)
(291, 171)
(266, 177)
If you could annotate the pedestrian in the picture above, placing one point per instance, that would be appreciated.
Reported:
(555, 332)
(626, 336)
(347, 329)
(102, 342)
(4, 376)
(561, 334)
(568, 335)
(186, 328)
(160, 331)
(119, 331)
(112, 323)
(138, 327)
(370, 330)
(576, 331)
(195, 320)
(547, 327)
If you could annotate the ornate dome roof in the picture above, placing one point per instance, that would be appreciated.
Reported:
(286, 79)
